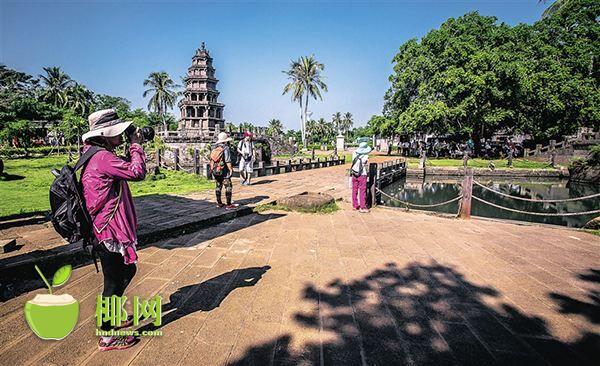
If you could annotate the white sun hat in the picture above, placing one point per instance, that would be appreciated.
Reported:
(105, 123)
(223, 137)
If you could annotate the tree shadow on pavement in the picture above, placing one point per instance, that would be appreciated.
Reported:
(422, 314)
(207, 295)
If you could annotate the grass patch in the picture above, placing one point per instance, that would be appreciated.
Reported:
(26, 184)
(324, 209)
(593, 232)
(480, 163)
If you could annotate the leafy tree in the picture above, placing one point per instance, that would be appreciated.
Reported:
(20, 132)
(163, 94)
(55, 86)
(473, 76)
(72, 126)
(275, 127)
(383, 126)
(305, 81)
(17, 82)
(121, 105)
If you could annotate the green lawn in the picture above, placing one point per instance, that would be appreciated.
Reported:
(31, 193)
(480, 163)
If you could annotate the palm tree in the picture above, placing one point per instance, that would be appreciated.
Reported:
(275, 128)
(164, 94)
(305, 81)
(553, 8)
(79, 99)
(55, 85)
(347, 122)
(336, 121)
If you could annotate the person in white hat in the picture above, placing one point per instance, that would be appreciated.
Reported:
(359, 171)
(222, 170)
(110, 205)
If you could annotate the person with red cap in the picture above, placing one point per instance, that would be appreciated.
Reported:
(245, 150)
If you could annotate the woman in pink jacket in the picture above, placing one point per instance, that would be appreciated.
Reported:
(110, 205)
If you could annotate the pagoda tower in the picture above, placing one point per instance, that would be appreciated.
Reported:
(201, 114)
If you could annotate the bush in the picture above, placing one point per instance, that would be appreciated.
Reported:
(12, 152)
(594, 157)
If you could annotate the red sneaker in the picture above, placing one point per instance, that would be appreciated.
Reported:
(116, 343)
(233, 206)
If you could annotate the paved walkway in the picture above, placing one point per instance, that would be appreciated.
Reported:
(383, 288)
(158, 212)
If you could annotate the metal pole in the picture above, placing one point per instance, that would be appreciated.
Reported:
(196, 161)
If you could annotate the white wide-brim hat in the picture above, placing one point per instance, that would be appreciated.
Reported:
(363, 148)
(223, 137)
(105, 123)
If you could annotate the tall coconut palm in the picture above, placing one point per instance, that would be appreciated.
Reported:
(305, 81)
(163, 91)
(553, 8)
(79, 99)
(347, 122)
(275, 127)
(55, 85)
(336, 121)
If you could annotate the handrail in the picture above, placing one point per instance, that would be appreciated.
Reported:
(533, 199)
(418, 205)
(535, 213)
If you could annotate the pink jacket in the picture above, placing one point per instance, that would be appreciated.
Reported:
(109, 200)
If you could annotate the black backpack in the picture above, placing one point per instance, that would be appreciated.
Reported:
(357, 173)
(69, 216)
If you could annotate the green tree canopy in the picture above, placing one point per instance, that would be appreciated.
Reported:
(474, 76)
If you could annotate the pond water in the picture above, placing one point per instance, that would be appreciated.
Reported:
(438, 189)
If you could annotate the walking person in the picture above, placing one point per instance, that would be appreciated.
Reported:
(222, 170)
(110, 205)
(359, 171)
(245, 150)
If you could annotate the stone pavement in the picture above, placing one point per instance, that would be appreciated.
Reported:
(163, 215)
(384, 288)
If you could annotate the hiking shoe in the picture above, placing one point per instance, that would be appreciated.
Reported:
(220, 205)
(116, 343)
(233, 206)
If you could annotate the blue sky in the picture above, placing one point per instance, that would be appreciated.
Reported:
(111, 46)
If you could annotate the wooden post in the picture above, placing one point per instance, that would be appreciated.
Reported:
(206, 171)
(158, 158)
(261, 169)
(176, 158)
(288, 166)
(196, 161)
(538, 149)
(372, 185)
(276, 171)
(467, 192)
(526, 153)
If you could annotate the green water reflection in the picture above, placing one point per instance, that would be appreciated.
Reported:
(435, 189)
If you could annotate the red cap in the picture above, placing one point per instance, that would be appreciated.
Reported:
(247, 134)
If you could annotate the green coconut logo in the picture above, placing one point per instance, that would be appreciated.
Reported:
(53, 316)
